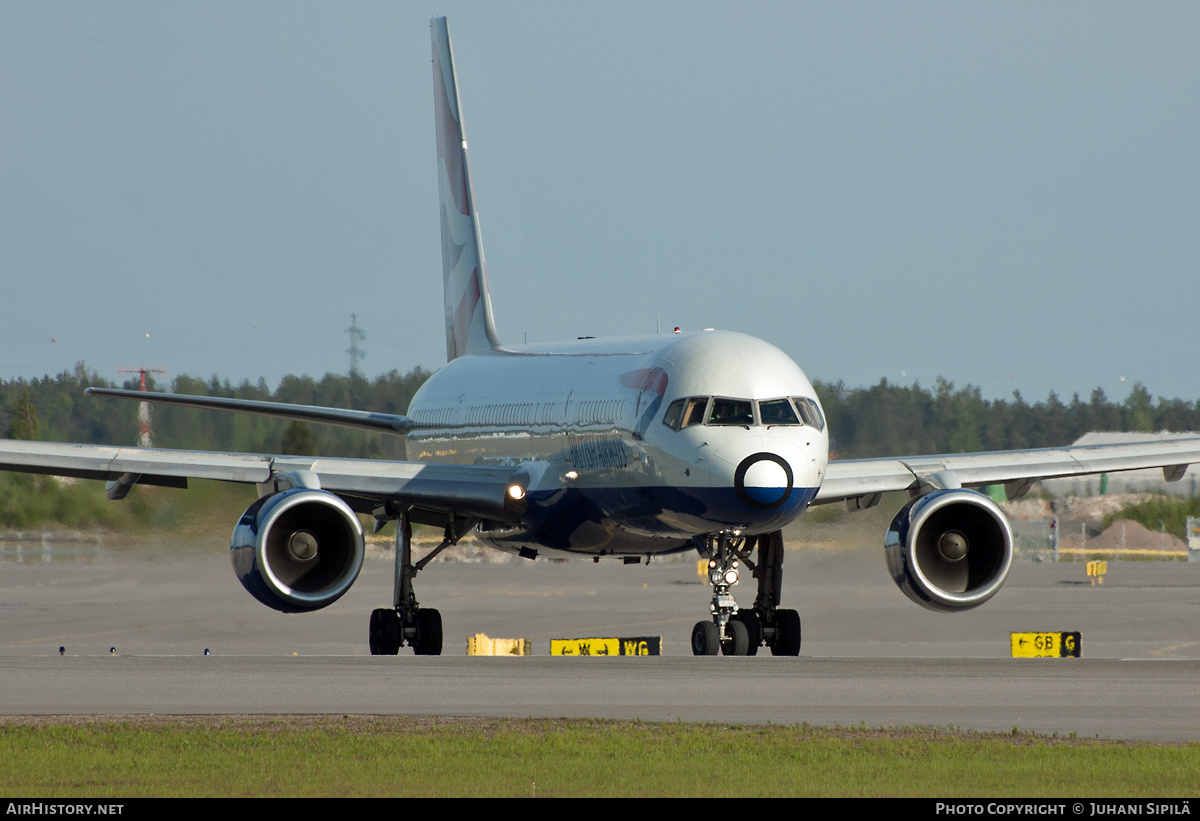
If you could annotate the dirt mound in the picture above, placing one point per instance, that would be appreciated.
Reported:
(1126, 534)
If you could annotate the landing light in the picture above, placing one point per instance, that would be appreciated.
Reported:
(516, 492)
(731, 577)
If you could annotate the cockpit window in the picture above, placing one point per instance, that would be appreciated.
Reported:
(777, 412)
(674, 414)
(731, 412)
(810, 412)
(693, 411)
(683, 413)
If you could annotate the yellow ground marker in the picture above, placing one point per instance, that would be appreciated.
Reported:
(480, 645)
(629, 646)
(1046, 645)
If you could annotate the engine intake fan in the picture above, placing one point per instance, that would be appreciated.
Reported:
(949, 550)
(298, 550)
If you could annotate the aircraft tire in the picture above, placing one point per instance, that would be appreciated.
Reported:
(753, 628)
(384, 633)
(737, 639)
(787, 633)
(429, 633)
(705, 640)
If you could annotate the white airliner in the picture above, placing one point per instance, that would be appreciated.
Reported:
(708, 441)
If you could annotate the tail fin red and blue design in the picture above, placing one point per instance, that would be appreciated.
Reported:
(469, 325)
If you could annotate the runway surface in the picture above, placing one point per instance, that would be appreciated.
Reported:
(870, 655)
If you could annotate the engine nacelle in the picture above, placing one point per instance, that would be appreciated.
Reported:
(297, 550)
(950, 549)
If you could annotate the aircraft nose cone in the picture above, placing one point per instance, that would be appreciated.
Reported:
(763, 480)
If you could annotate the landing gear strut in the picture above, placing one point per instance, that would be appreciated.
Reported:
(408, 623)
(740, 632)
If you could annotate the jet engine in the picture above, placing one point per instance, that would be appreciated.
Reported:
(950, 549)
(297, 550)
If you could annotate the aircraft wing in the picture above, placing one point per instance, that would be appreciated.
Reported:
(364, 420)
(466, 490)
(859, 482)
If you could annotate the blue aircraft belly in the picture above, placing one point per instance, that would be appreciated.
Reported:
(639, 520)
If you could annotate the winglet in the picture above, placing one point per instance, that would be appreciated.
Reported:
(469, 325)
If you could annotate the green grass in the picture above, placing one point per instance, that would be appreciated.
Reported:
(200, 516)
(1169, 512)
(37, 502)
(367, 756)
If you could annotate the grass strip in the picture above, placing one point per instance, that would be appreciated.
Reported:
(404, 756)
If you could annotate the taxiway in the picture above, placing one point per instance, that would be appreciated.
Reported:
(869, 655)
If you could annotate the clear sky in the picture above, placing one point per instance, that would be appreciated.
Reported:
(1002, 194)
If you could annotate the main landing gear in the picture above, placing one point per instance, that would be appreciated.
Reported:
(406, 622)
(740, 632)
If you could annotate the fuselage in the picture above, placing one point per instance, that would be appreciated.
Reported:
(632, 446)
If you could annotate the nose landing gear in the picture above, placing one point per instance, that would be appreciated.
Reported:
(740, 632)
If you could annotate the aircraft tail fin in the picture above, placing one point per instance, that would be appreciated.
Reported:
(469, 325)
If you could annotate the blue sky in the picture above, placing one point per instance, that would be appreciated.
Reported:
(1005, 195)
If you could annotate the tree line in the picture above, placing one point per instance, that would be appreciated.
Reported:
(892, 420)
(880, 420)
(62, 413)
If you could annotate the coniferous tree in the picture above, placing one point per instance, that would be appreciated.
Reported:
(24, 419)
(298, 440)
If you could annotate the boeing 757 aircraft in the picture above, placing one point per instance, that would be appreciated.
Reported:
(709, 442)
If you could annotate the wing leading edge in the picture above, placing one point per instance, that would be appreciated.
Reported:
(364, 420)
(859, 482)
(464, 490)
